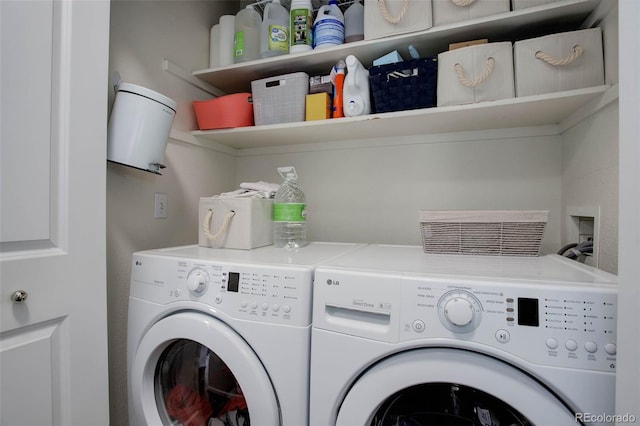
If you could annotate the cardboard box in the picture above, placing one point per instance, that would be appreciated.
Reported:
(318, 106)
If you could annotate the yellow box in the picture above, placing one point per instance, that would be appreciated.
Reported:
(318, 106)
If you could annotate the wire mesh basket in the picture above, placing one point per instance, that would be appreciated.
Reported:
(486, 232)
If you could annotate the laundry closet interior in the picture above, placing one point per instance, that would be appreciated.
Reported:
(365, 180)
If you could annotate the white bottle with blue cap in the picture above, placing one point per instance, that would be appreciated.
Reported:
(328, 28)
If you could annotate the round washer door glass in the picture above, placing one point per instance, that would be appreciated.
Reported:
(193, 370)
(193, 385)
(444, 386)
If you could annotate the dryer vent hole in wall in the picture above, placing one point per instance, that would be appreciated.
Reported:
(160, 205)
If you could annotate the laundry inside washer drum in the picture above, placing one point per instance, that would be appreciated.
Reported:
(194, 386)
(446, 404)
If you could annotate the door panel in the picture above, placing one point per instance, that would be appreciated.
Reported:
(53, 119)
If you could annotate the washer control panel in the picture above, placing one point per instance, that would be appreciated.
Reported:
(555, 324)
(262, 293)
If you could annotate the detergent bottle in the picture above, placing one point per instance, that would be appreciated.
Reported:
(246, 42)
(274, 37)
(355, 92)
(328, 29)
(354, 22)
(301, 26)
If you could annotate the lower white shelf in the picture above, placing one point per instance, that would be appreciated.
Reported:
(538, 110)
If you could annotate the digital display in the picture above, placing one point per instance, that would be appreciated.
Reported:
(528, 312)
(234, 282)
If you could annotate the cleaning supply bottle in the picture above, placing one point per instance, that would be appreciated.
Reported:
(354, 22)
(328, 29)
(301, 26)
(289, 212)
(246, 42)
(357, 100)
(274, 37)
(337, 78)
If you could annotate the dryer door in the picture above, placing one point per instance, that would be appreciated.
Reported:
(190, 368)
(440, 386)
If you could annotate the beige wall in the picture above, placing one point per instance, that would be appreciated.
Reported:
(143, 33)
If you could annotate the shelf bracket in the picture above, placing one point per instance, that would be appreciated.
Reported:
(174, 69)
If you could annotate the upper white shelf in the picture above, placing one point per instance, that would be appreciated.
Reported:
(538, 110)
(509, 26)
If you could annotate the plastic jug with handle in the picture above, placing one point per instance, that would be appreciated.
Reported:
(274, 35)
(355, 92)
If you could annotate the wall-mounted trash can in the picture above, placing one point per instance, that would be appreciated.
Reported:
(139, 127)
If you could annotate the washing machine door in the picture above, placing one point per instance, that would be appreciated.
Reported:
(440, 386)
(194, 370)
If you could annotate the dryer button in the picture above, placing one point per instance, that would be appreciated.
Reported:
(264, 306)
(418, 326)
(551, 343)
(275, 307)
(571, 345)
(244, 304)
(218, 299)
(502, 336)
(591, 347)
(610, 348)
(254, 305)
(286, 308)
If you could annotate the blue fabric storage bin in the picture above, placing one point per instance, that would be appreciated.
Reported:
(404, 85)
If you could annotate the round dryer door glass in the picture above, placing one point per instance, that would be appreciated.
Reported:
(193, 385)
(446, 404)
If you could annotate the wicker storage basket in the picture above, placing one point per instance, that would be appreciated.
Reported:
(496, 233)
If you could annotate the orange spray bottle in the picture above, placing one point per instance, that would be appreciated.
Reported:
(337, 77)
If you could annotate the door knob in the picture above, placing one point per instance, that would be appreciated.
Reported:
(19, 296)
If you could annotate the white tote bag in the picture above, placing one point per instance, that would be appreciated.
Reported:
(235, 223)
(383, 18)
(478, 73)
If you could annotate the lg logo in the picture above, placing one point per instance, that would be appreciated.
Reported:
(332, 282)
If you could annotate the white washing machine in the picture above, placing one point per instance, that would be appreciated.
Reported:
(400, 337)
(221, 337)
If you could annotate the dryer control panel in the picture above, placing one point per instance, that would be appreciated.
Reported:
(264, 293)
(546, 323)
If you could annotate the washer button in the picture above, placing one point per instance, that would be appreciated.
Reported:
(286, 308)
(418, 326)
(551, 343)
(571, 345)
(591, 347)
(275, 307)
(502, 336)
(611, 348)
(244, 304)
(218, 299)
(264, 306)
(254, 305)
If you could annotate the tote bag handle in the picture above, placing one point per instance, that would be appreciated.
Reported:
(225, 224)
(575, 54)
(387, 16)
(491, 62)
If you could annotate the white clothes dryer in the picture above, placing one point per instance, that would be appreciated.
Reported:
(220, 336)
(400, 337)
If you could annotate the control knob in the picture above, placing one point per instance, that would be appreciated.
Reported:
(197, 281)
(459, 311)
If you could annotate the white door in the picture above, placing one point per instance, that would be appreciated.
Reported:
(53, 117)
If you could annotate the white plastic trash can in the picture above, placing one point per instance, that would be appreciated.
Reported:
(139, 127)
